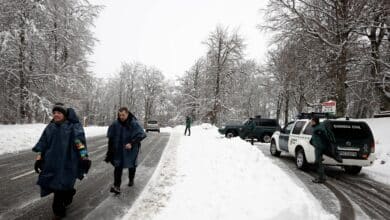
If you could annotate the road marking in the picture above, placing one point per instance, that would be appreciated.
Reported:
(1, 165)
(22, 175)
(98, 149)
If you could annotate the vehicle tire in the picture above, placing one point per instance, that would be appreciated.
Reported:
(266, 138)
(300, 159)
(273, 150)
(230, 134)
(353, 170)
(147, 130)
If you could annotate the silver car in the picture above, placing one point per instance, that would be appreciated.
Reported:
(152, 125)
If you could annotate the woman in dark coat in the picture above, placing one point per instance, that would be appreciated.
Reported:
(62, 157)
(124, 141)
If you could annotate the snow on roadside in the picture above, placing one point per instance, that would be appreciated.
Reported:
(14, 138)
(219, 178)
(380, 170)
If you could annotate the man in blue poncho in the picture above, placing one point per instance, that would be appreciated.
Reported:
(124, 141)
(62, 157)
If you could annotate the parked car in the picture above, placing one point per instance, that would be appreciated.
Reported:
(152, 125)
(354, 143)
(263, 131)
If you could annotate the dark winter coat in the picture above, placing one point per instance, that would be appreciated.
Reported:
(119, 134)
(319, 138)
(61, 157)
(188, 122)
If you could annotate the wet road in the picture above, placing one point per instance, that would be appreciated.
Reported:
(345, 196)
(19, 194)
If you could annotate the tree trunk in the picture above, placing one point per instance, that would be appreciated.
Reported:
(23, 92)
(286, 106)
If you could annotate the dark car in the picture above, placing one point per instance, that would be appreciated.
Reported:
(262, 131)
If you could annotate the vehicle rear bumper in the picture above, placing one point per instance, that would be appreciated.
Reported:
(350, 162)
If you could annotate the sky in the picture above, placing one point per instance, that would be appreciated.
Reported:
(168, 34)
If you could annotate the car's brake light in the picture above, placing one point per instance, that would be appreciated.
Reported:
(373, 147)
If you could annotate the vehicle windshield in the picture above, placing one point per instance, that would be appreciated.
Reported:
(152, 122)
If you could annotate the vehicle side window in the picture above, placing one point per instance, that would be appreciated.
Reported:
(298, 127)
(289, 128)
(308, 130)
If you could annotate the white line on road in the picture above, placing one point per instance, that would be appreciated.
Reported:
(5, 164)
(22, 175)
(92, 152)
(100, 147)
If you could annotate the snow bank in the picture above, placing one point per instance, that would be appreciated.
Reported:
(14, 138)
(380, 170)
(219, 178)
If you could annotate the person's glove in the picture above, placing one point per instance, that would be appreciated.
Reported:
(85, 164)
(38, 166)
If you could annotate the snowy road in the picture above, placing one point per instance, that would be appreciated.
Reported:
(20, 195)
(359, 197)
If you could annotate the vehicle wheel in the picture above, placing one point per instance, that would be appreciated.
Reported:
(266, 138)
(300, 159)
(230, 134)
(353, 170)
(273, 150)
(147, 131)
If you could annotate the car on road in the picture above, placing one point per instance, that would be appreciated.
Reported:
(354, 143)
(152, 125)
(264, 128)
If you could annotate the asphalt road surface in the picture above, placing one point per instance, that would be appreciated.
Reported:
(19, 194)
(346, 196)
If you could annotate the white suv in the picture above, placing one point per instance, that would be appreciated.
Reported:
(354, 143)
(152, 125)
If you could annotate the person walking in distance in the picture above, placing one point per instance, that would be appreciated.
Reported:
(124, 142)
(62, 158)
(188, 126)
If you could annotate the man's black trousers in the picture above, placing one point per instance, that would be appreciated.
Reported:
(62, 199)
(118, 175)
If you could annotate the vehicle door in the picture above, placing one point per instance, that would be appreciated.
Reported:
(284, 136)
(296, 131)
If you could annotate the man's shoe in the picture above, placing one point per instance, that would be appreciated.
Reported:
(115, 189)
(318, 180)
(131, 183)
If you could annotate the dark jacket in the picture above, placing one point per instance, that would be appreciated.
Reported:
(188, 122)
(319, 138)
(61, 157)
(119, 134)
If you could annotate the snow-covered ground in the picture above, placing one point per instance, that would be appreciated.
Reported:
(380, 171)
(207, 176)
(14, 138)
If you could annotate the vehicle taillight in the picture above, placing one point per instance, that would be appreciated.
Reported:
(373, 147)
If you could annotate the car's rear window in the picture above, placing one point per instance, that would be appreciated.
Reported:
(152, 122)
(350, 130)
(269, 122)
